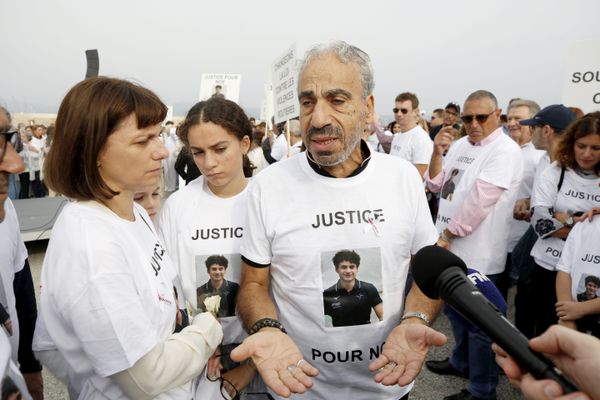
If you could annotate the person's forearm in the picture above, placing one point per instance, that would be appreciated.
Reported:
(478, 204)
(435, 166)
(173, 362)
(416, 301)
(26, 314)
(590, 307)
(563, 286)
(253, 300)
(384, 140)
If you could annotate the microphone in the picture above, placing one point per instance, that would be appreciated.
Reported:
(441, 274)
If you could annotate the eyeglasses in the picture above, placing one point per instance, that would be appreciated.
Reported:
(230, 392)
(5, 138)
(402, 110)
(480, 118)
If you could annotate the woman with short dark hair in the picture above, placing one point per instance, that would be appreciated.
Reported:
(107, 299)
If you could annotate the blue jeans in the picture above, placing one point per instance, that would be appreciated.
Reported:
(473, 353)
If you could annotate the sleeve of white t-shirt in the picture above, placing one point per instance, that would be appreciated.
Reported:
(108, 317)
(423, 149)
(280, 147)
(499, 169)
(256, 246)
(545, 188)
(165, 227)
(425, 232)
(565, 263)
(20, 254)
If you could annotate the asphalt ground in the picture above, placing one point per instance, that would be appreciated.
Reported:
(428, 386)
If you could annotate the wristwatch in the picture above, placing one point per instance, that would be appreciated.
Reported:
(569, 222)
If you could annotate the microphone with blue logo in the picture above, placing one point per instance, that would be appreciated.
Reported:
(439, 273)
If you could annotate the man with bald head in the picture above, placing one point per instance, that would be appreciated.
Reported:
(474, 223)
(336, 195)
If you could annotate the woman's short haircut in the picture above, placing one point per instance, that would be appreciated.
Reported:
(90, 112)
(565, 151)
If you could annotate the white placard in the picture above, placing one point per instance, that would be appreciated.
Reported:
(285, 90)
(582, 82)
(266, 110)
(229, 83)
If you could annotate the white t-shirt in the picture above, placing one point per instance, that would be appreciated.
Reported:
(414, 146)
(499, 163)
(581, 254)
(280, 147)
(10, 371)
(576, 194)
(12, 258)
(544, 163)
(531, 158)
(107, 295)
(194, 224)
(257, 158)
(299, 220)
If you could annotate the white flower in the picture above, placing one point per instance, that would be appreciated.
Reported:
(212, 304)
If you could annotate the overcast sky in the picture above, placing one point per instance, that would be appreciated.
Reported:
(442, 50)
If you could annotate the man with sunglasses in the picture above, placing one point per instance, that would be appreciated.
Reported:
(474, 224)
(15, 275)
(450, 118)
(412, 143)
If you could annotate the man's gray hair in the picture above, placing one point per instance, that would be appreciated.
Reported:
(530, 104)
(295, 128)
(346, 53)
(483, 94)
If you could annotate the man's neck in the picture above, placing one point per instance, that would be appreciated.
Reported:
(410, 128)
(348, 286)
(344, 169)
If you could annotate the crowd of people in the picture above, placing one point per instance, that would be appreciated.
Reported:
(244, 283)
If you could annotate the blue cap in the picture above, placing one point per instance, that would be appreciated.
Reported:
(555, 115)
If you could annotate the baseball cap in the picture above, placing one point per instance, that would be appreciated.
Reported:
(453, 105)
(555, 115)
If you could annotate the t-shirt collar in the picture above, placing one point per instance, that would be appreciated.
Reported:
(366, 154)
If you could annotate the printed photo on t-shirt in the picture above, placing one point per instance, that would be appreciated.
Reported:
(449, 186)
(218, 274)
(587, 288)
(353, 287)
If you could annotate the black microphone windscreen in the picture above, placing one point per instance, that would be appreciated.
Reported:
(429, 263)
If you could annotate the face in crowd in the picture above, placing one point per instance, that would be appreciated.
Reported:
(150, 200)
(450, 116)
(10, 162)
(333, 109)
(406, 116)
(480, 118)
(519, 133)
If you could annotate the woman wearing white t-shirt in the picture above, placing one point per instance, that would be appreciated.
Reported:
(577, 173)
(578, 279)
(107, 284)
(206, 218)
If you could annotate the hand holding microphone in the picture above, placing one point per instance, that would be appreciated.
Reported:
(441, 274)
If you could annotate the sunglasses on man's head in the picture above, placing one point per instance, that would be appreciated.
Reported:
(402, 110)
(480, 118)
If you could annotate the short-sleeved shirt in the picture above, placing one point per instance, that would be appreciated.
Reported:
(107, 295)
(414, 146)
(353, 307)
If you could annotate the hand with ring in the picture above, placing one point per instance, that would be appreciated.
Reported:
(278, 360)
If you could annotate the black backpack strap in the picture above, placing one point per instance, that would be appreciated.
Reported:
(562, 177)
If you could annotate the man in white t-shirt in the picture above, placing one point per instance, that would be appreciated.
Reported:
(412, 143)
(520, 110)
(295, 139)
(474, 222)
(336, 195)
(17, 296)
